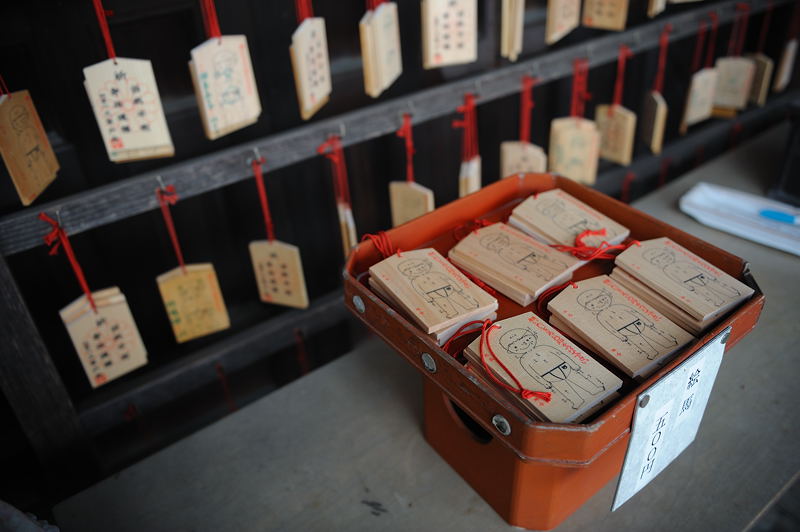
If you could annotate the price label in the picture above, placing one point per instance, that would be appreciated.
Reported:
(667, 417)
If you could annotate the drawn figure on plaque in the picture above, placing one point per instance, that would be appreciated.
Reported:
(518, 157)
(730, 84)
(691, 277)
(438, 289)
(570, 158)
(573, 222)
(195, 303)
(626, 323)
(104, 346)
(228, 83)
(127, 106)
(522, 256)
(550, 367)
(564, 13)
(20, 120)
(561, 162)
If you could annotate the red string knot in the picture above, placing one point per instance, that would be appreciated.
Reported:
(382, 243)
(53, 238)
(464, 330)
(168, 194)
(530, 394)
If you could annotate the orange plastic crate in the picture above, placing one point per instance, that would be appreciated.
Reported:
(539, 473)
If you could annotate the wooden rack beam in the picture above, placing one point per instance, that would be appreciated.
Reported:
(119, 200)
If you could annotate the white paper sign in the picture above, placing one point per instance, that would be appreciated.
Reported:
(667, 417)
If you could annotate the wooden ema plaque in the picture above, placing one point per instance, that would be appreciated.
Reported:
(379, 31)
(762, 77)
(556, 217)
(478, 373)
(683, 278)
(193, 301)
(347, 227)
(512, 28)
(563, 16)
(574, 149)
(511, 262)
(433, 292)
(279, 273)
(25, 147)
(372, 84)
(449, 32)
(388, 51)
(617, 127)
(654, 121)
(127, 106)
(734, 80)
(224, 84)
(700, 101)
(617, 325)
(441, 336)
(469, 176)
(107, 341)
(605, 14)
(543, 359)
(785, 66)
(311, 66)
(654, 7)
(668, 309)
(517, 157)
(409, 200)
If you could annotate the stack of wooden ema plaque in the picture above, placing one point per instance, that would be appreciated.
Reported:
(542, 360)
(679, 284)
(511, 262)
(431, 292)
(555, 217)
(611, 320)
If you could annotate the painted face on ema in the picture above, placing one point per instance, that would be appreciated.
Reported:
(224, 63)
(659, 257)
(414, 267)
(594, 299)
(19, 118)
(551, 209)
(518, 341)
(494, 241)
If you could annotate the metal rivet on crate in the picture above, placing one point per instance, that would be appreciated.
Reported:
(644, 401)
(501, 424)
(429, 362)
(359, 304)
